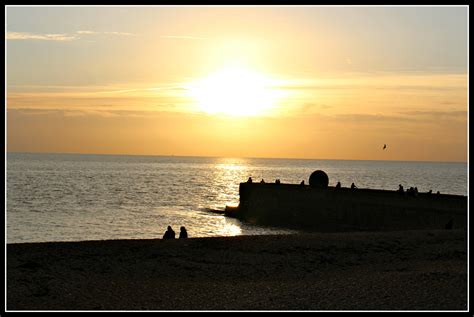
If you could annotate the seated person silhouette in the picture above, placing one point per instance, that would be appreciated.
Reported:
(277, 181)
(262, 181)
(249, 180)
(338, 185)
(183, 234)
(169, 234)
(353, 186)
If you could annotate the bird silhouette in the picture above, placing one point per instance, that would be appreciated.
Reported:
(384, 146)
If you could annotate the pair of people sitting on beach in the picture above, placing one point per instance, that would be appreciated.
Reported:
(170, 234)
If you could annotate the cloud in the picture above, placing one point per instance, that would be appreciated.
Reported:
(87, 32)
(41, 37)
(184, 37)
(311, 107)
(453, 114)
(106, 113)
(414, 116)
(60, 36)
(369, 118)
(120, 33)
(313, 87)
(330, 86)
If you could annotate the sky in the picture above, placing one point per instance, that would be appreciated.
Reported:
(314, 82)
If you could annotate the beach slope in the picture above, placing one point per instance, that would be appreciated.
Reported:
(402, 270)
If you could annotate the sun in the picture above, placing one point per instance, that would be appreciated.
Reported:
(234, 91)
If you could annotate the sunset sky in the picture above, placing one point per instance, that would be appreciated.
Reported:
(239, 81)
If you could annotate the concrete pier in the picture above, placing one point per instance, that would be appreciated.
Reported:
(330, 209)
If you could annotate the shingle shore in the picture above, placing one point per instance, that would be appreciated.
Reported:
(402, 270)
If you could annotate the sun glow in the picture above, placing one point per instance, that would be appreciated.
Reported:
(234, 91)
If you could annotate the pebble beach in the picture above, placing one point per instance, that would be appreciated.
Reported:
(353, 271)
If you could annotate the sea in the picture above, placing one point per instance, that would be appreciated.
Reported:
(78, 197)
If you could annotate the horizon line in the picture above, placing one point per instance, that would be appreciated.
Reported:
(237, 157)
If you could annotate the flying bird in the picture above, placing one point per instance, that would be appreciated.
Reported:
(384, 146)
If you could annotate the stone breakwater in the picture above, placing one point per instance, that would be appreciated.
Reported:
(330, 209)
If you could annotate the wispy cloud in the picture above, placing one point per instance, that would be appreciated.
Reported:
(87, 32)
(71, 90)
(78, 112)
(183, 37)
(41, 37)
(400, 117)
(449, 114)
(60, 36)
(162, 97)
(120, 33)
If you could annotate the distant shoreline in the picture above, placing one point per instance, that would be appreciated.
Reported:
(397, 270)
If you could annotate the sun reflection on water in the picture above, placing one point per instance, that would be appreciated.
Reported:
(230, 229)
(226, 176)
(231, 167)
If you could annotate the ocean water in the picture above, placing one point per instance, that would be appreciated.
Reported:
(72, 197)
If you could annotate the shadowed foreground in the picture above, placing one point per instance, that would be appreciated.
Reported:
(412, 270)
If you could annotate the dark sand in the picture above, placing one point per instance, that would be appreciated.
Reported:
(411, 270)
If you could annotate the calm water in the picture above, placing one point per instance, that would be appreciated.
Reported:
(69, 197)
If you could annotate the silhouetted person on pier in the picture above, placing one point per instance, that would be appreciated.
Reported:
(400, 189)
(277, 181)
(413, 191)
(438, 193)
(169, 234)
(183, 234)
(249, 180)
(353, 186)
(338, 185)
(262, 181)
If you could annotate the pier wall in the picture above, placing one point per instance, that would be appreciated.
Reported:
(344, 209)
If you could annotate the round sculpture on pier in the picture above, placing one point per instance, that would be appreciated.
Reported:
(319, 179)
